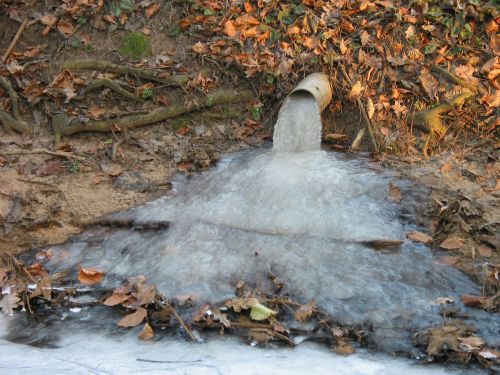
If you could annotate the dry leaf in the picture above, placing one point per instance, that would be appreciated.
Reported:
(356, 90)
(147, 333)
(90, 276)
(452, 243)
(152, 9)
(303, 313)
(49, 20)
(66, 28)
(199, 48)
(418, 237)
(133, 319)
(230, 28)
(395, 193)
(430, 84)
(96, 112)
(115, 299)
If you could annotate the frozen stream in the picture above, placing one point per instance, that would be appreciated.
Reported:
(305, 216)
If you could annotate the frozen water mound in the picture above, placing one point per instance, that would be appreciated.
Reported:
(301, 216)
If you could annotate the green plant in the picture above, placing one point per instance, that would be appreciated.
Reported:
(74, 167)
(135, 45)
(147, 93)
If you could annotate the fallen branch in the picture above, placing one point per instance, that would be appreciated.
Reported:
(106, 82)
(174, 80)
(14, 121)
(15, 40)
(64, 126)
(364, 114)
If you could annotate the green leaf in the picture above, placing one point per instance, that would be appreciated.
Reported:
(260, 312)
(127, 5)
(147, 93)
(256, 112)
(430, 48)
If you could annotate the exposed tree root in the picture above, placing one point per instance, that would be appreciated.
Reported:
(430, 121)
(12, 122)
(63, 125)
(104, 66)
(109, 83)
(455, 79)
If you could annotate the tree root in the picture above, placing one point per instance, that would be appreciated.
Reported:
(173, 80)
(455, 79)
(106, 82)
(430, 121)
(64, 126)
(14, 121)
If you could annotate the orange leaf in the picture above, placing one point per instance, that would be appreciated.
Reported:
(293, 30)
(247, 20)
(134, 319)
(152, 9)
(419, 237)
(147, 333)
(230, 28)
(66, 28)
(90, 276)
(96, 112)
(115, 299)
(49, 20)
(452, 243)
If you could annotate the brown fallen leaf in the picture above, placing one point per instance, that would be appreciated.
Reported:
(152, 10)
(96, 112)
(473, 301)
(134, 319)
(471, 343)
(418, 237)
(66, 28)
(147, 333)
(452, 243)
(395, 193)
(304, 312)
(90, 276)
(344, 348)
(238, 304)
(356, 90)
(115, 299)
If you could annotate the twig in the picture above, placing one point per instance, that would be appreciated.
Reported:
(62, 154)
(37, 182)
(175, 80)
(106, 82)
(15, 40)
(361, 107)
(186, 328)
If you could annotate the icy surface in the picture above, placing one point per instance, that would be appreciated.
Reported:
(302, 217)
(83, 352)
(299, 124)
